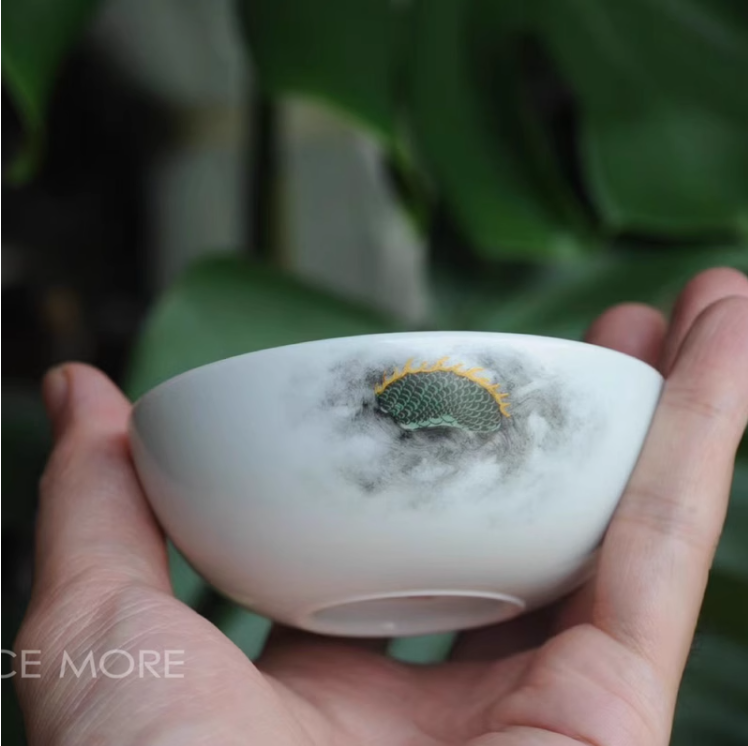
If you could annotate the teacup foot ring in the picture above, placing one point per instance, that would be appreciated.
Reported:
(412, 613)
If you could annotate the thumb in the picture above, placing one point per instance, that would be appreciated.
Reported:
(93, 515)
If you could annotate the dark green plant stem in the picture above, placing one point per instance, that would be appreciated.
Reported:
(263, 234)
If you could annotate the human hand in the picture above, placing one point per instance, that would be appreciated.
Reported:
(602, 667)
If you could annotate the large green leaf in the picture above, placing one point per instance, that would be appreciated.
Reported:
(690, 49)
(36, 35)
(670, 168)
(476, 134)
(563, 303)
(226, 306)
(661, 85)
(344, 53)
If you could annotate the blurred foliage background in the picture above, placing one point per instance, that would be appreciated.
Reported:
(187, 180)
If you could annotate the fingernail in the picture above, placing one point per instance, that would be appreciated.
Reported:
(55, 392)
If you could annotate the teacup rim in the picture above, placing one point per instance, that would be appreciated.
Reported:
(555, 341)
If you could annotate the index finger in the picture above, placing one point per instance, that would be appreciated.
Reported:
(658, 550)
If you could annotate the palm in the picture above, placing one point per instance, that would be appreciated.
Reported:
(316, 691)
(563, 691)
(602, 668)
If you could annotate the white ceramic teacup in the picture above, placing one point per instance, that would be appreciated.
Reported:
(395, 484)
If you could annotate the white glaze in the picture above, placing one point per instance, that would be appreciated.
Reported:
(280, 481)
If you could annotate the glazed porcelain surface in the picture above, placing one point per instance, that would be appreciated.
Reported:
(395, 484)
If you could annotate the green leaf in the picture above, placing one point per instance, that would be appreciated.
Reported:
(343, 53)
(226, 306)
(661, 86)
(696, 50)
(564, 303)
(246, 630)
(725, 609)
(423, 649)
(477, 136)
(669, 168)
(732, 555)
(36, 36)
(713, 702)
(187, 584)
